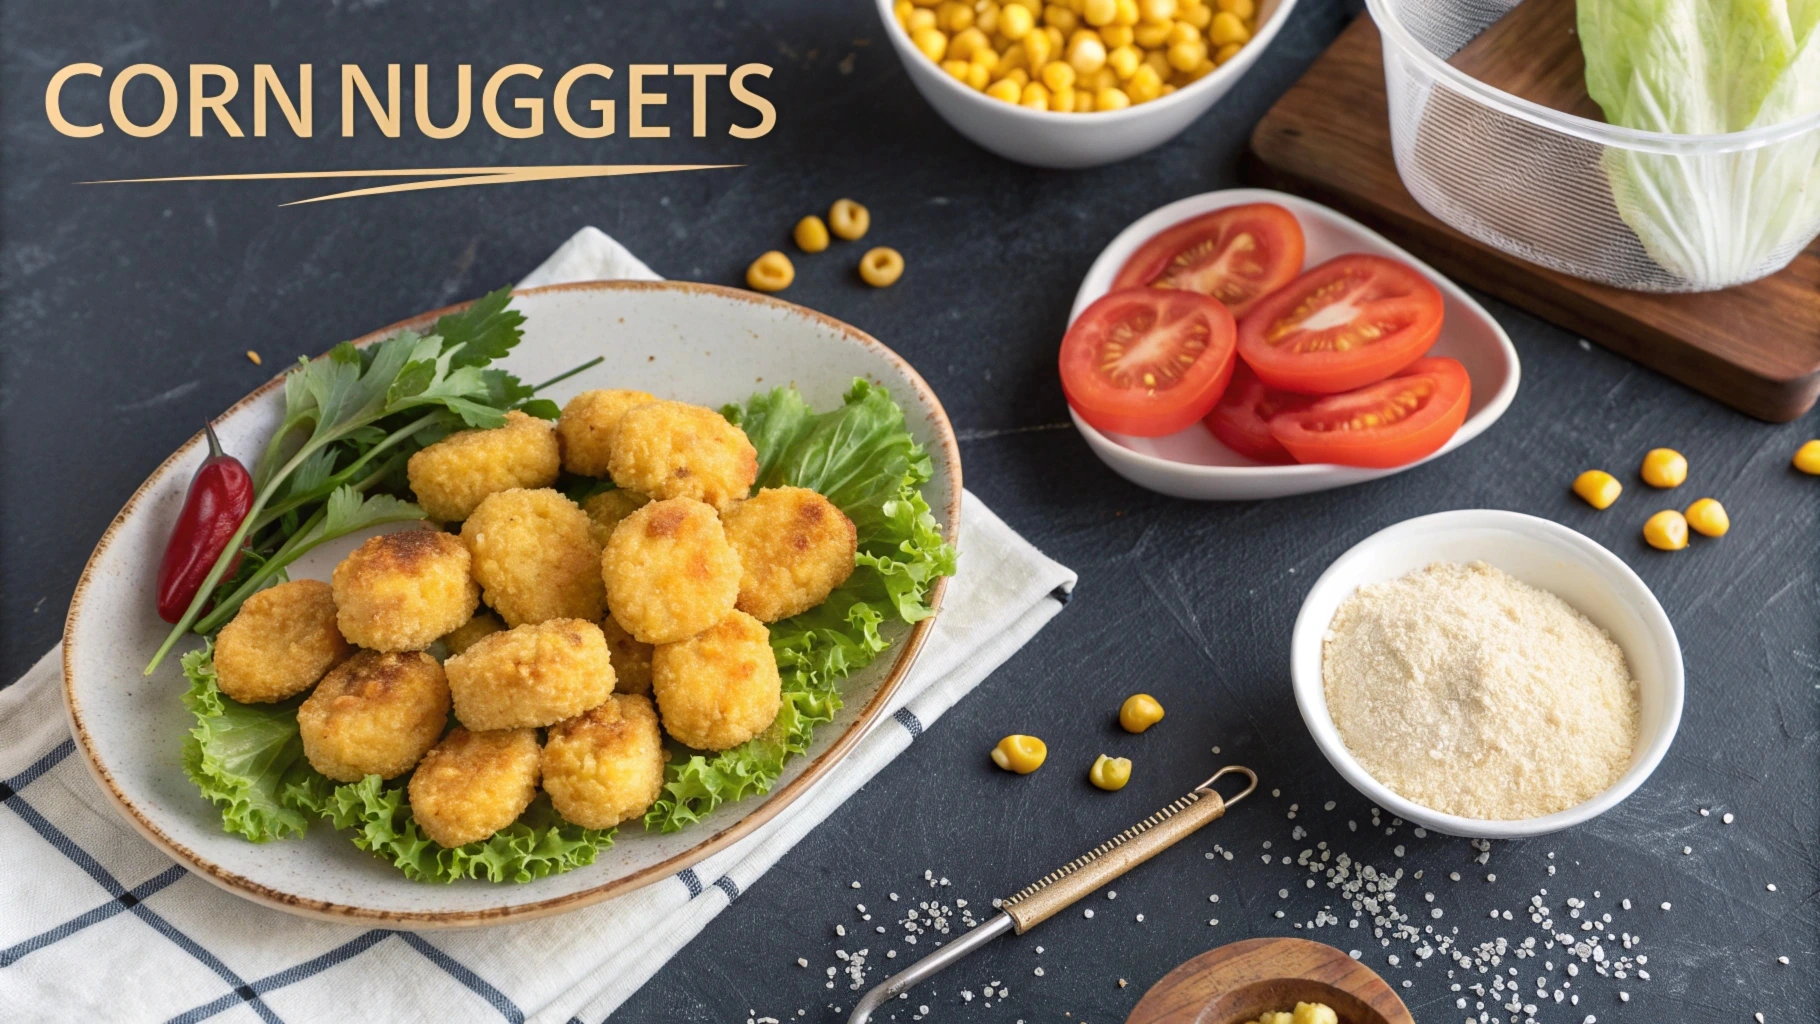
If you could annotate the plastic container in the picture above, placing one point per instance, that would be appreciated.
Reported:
(1640, 210)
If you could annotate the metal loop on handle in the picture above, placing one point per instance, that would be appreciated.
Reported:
(1207, 787)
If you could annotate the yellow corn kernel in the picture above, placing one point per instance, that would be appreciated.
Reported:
(987, 19)
(1085, 33)
(957, 68)
(1598, 488)
(966, 43)
(1200, 16)
(925, 3)
(1087, 55)
(931, 42)
(1244, 10)
(849, 220)
(1035, 96)
(921, 19)
(1111, 99)
(1058, 41)
(978, 75)
(1313, 1013)
(1035, 7)
(1127, 14)
(1061, 18)
(1187, 56)
(1099, 12)
(902, 10)
(1807, 458)
(1666, 530)
(1016, 22)
(1124, 61)
(1110, 773)
(1019, 753)
(771, 272)
(1083, 101)
(1115, 36)
(1021, 77)
(1058, 75)
(960, 17)
(1013, 58)
(1104, 78)
(1061, 101)
(1144, 85)
(1707, 517)
(1227, 28)
(1152, 36)
(1664, 467)
(1220, 56)
(1182, 32)
(881, 267)
(1156, 12)
(811, 234)
(1038, 49)
(1159, 60)
(1139, 712)
(1167, 89)
(1005, 89)
(987, 59)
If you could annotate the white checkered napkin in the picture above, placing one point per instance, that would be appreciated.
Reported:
(97, 924)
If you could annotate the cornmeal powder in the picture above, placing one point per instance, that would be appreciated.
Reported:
(1475, 694)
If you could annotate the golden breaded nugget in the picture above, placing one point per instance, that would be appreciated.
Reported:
(588, 425)
(466, 635)
(719, 688)
(531, 675)
(605, 766)
(279, 643)
(676, 450)
(374, 714)
(401, 591)
(794, 548)
(606, 509)
(535, 557)
(631, 658)
(454, 475)
(473, 784)
(669, 571)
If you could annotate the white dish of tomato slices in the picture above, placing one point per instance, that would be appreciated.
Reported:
(1471, 362)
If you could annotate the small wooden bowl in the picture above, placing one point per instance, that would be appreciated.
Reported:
(1237, 982)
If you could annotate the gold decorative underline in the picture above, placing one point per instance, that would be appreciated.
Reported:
(439, 177)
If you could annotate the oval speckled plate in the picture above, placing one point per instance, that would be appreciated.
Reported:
(697, 343)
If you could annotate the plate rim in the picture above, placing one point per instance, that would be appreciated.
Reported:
(775, 803)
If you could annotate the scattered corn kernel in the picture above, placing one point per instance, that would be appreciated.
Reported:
(1110, 773)
(881, 267)
(1707, 517)
(1807, 458)
(811, 234)
(1019, 753)
(848, 219)
(771, 272)
(1139, 712)
(1598, 488)
(254, 356)
(1664, 467)
(1666, 530)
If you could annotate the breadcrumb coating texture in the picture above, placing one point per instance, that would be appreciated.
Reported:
(402, 591)
(531, 675)
(588, 425)
(631, 658)
(669, 571)
(794, 548)
(472, 784)
(677, 450)
(374, 714)
(719, 688)
(605, 766)
(535, 557)
(280, 643)
(608, 508)
(464, 636)
(453, 476)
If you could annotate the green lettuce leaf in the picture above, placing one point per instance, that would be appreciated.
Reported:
(862, 457)
(1709, 67)
(238, 754)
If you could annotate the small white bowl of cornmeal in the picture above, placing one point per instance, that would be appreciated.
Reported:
(1487, 674)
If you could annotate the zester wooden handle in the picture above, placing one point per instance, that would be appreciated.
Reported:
(1051, 897)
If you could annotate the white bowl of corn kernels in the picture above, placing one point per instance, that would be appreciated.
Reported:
(1077, 83)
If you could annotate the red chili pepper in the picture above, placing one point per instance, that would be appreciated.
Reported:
(219, 497)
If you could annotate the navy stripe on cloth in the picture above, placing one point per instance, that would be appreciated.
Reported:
(460, 972)
(289, 976)
(1062, 595)
(125, 901)
(691, 880)
(39, 767)
(728, 886)
(909, 721)
(81, 859)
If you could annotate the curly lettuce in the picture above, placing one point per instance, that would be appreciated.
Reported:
(248, 760)
(862, 457)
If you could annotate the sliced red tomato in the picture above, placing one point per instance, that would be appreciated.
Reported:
(1237, 255)
(1147, 362)
(1391, 423)
(1242, 418)
(1349, 322)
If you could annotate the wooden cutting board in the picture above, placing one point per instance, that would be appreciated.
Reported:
(1755, 347)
